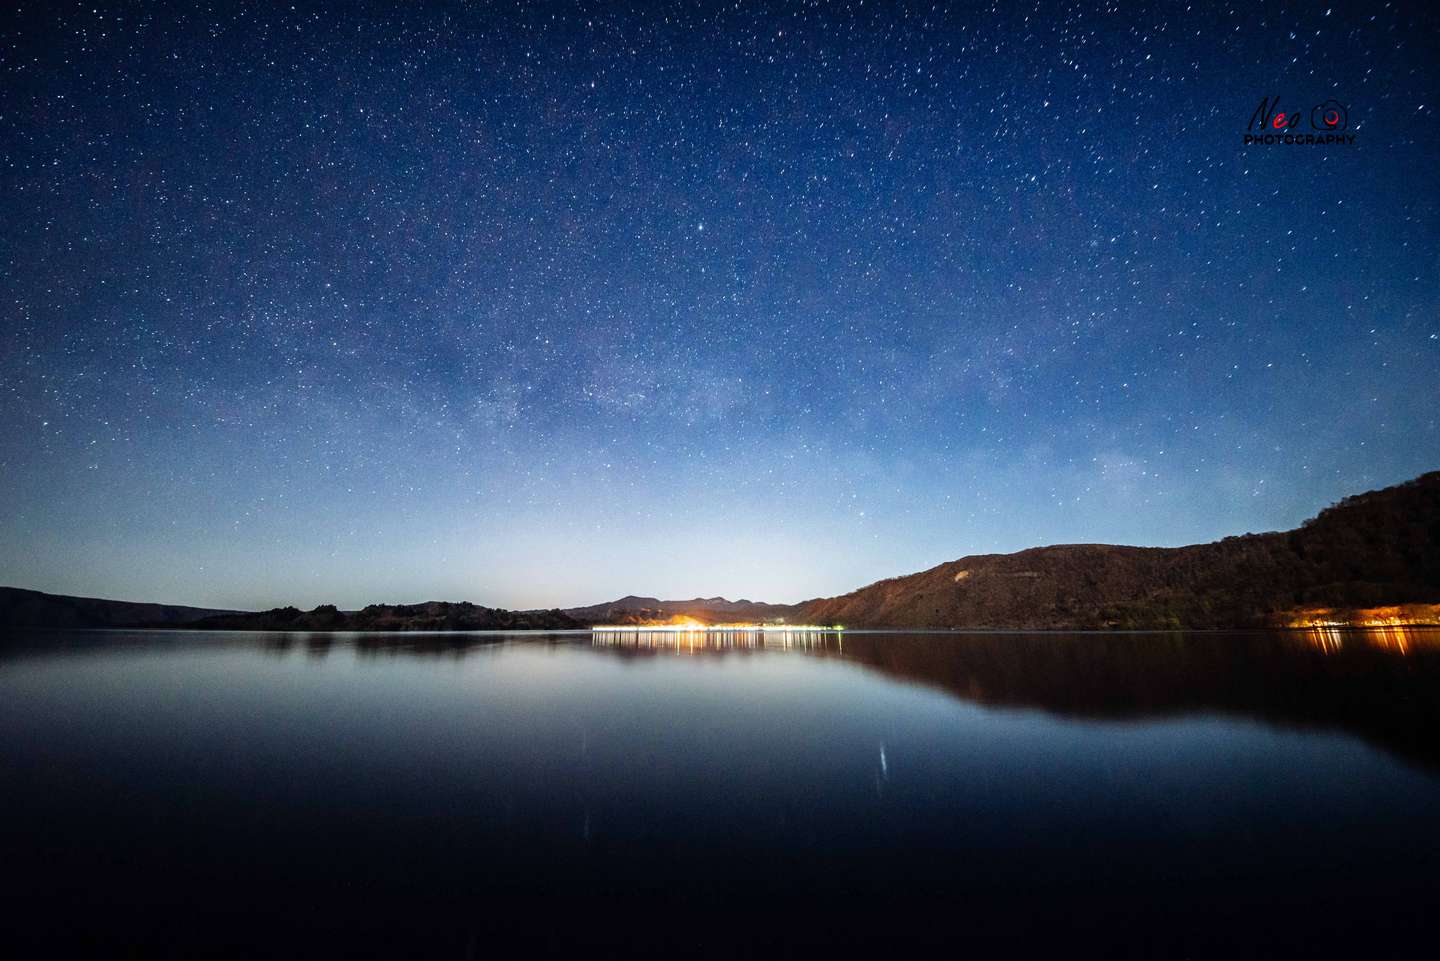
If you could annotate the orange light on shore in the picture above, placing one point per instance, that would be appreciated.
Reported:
(1399, 615)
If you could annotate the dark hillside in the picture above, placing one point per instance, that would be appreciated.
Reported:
(711, 610)
(22, 608)
(429, 616)
(1379, 548)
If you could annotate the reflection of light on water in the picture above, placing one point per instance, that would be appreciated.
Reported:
(682, 639)
(1328, 639)
(1332, 639)
(687, 626)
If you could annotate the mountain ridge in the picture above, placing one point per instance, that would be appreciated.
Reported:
(1374, 551)
(634, 609)
(1377, 548)
(21, 607)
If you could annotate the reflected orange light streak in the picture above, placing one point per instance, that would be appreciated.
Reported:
(692, 626)
(719, 637)
(1332, 639)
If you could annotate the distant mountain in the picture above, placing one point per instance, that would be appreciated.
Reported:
(1351, 563)
(22, 608)
(429, 616)
(711, 610)
(33, 609)
(1379, 548)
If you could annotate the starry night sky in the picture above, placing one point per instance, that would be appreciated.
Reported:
(546, 304)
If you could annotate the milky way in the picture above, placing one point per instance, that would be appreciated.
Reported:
(544, 304)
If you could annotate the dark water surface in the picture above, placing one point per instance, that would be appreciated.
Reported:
(1196, 795)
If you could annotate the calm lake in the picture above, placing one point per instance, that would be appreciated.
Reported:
(172, 794)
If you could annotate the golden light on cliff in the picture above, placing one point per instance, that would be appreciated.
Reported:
(1396, 615)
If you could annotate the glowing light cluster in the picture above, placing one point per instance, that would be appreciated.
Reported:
(1400, 615)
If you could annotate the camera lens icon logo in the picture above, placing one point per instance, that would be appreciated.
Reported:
(1330, 115)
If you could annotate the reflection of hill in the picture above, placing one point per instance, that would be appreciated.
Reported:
(1383, 685)
(399, 644)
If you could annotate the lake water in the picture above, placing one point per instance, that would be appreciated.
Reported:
(458, 796)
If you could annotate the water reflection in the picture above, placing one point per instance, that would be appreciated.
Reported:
(711, 641)
(1399, 640)
(455, 645)
(1382, 684)
(763, 790)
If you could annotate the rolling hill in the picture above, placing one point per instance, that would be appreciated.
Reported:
(711, 610)
(1372, 558)
(22, 608)
(1378, 548)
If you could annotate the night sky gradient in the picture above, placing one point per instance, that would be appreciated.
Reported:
(545, 304)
